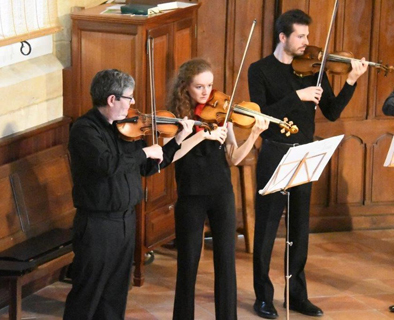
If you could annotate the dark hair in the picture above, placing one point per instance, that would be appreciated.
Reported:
(179, 101)
(109, 82)
(286, 21)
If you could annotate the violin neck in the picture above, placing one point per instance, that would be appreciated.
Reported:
(338, 58)
(252, 113)
(169, 120)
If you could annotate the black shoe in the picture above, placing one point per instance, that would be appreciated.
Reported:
(265, 310)
(305, 307)
(391, 308)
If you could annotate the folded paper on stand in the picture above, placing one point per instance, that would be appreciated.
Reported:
(302, 164)
(390, 156)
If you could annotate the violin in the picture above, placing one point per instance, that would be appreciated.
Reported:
(338, 63)
(136, 125)
(242, 114)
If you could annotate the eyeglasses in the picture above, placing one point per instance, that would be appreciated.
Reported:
(131, 99)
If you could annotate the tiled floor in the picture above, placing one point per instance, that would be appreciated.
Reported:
(350, 276)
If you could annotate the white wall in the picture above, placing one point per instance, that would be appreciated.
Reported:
(31, 91)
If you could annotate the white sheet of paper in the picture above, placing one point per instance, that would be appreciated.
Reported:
(389, 162)
(316, 155)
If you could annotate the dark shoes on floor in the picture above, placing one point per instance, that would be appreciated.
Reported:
(305, 307)
(265, 309)
(391, 308)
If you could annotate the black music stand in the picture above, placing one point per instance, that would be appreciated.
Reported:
(300, 165)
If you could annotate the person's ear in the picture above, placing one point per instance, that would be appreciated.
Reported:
(282, 37)
(111, 100)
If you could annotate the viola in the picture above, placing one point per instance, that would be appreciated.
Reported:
(338, 63)
(137, 124)
(242, 114)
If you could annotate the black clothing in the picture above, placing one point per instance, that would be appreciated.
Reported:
(206, 165)
(107, 170)
(388, 106)
(104, 247)
(205, 190)
(273, 86)
(106, 173)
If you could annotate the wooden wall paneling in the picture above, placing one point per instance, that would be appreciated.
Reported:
(267, 27)
(92, 41)
(355, 36)
(318, 31)
(381, 51)
(162, 43)
(285, 5)
(211, 35)
(184, 47)
(381, 191)
(91, 38)
(350, 175)
(21, 144)
(245, 13)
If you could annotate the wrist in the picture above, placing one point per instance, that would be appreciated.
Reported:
(350, 82)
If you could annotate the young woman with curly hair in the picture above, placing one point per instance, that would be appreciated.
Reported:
(205, 190)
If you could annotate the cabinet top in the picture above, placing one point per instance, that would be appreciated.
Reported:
(95, 14)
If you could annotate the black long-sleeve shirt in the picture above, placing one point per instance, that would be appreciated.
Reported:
(204, 170)
(273, 85)
(388, 106)
(107, 170)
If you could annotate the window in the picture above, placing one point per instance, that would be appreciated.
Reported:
(22, 20)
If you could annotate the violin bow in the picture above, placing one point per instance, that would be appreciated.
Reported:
(325, 52)
(239, 73)
(155, 136)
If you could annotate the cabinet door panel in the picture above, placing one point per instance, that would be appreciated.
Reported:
(160, 225)
(95, 58)
(183, 41)
(158, 186)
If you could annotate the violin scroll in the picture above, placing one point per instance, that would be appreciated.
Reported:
(385, 67)
(288, 127)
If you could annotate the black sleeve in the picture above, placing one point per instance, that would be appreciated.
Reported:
(331, 105)
(151, 167)
(89, 145)
(388, 106)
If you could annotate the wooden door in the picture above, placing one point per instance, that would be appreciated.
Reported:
(159, 186)
(89, 57)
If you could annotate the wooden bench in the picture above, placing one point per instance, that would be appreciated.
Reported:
(36, 214)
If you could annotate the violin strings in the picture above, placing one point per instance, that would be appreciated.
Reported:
(252, 113)
(337, 58)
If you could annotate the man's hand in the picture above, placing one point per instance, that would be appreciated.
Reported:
(154, 152)
(358, 68)
(310, 94)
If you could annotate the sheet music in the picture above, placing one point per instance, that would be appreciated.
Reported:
(302, 164)
(390, 156)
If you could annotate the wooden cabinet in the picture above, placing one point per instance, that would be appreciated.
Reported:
(102, 41)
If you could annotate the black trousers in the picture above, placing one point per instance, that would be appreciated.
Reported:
(269, 209)
(103, 244)
(190, 215)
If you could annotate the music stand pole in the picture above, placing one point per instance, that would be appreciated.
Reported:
(288, 245)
